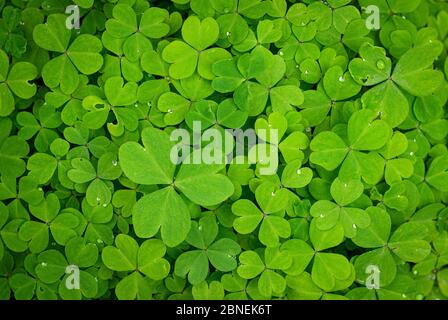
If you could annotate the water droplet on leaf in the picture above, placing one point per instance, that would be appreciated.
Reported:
(380, 64)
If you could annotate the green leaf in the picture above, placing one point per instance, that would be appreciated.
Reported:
(36, 234)
(366, 133)
(328, 150)
(203, 291)
(19, 78)
(42, 167)
(182, 57)
(150, 164)
(345, 192)
(150, 259)
(194, 263)
(165, 210)
(51, 266)
(222, 254)
(301, 254)
(407, 242)
(82, 171)
(203, 184)
(293, 176)
(377, 233)
(328, 268)
(438, 173)
(251, 265)
(322, 240)
(340, 85)
(124, 23)
(12, 150)
(388, 102)
(249, 216)
(134, 286)
(382, 259)
(200, 34)
(122, 257)
(153, 23)
(412, 73)
(372, 67)
(52, 36)
(84, 52)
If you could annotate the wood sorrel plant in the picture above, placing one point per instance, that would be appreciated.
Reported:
(333, 114)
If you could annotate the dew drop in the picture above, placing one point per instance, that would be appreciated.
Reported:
(404, 296)
(411, 153)
(299, 171)
(297, 66)
(308, 129)
(115, 163)
(354, 226)
(96, 279)
(105, 205)
(99, 240)
(281, 53)
(98, 199)
(345, 185)
(148, 104)
(341, 79)
(306, 72)
(43, 264)
(40, 189)
(22, 23)
(321, 215)
(415, 272)
(380, 64)
(170, 110)
(228, 33)
(303, 23)
(273, 193)
(200, 228)
(403, 17)
(136, 105)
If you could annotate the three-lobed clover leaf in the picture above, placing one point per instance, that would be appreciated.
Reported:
(186, 57)
(221, 253)
(82, 54)
(15, 80)
(165, 209)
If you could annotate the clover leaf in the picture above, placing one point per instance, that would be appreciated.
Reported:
(82, 54)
